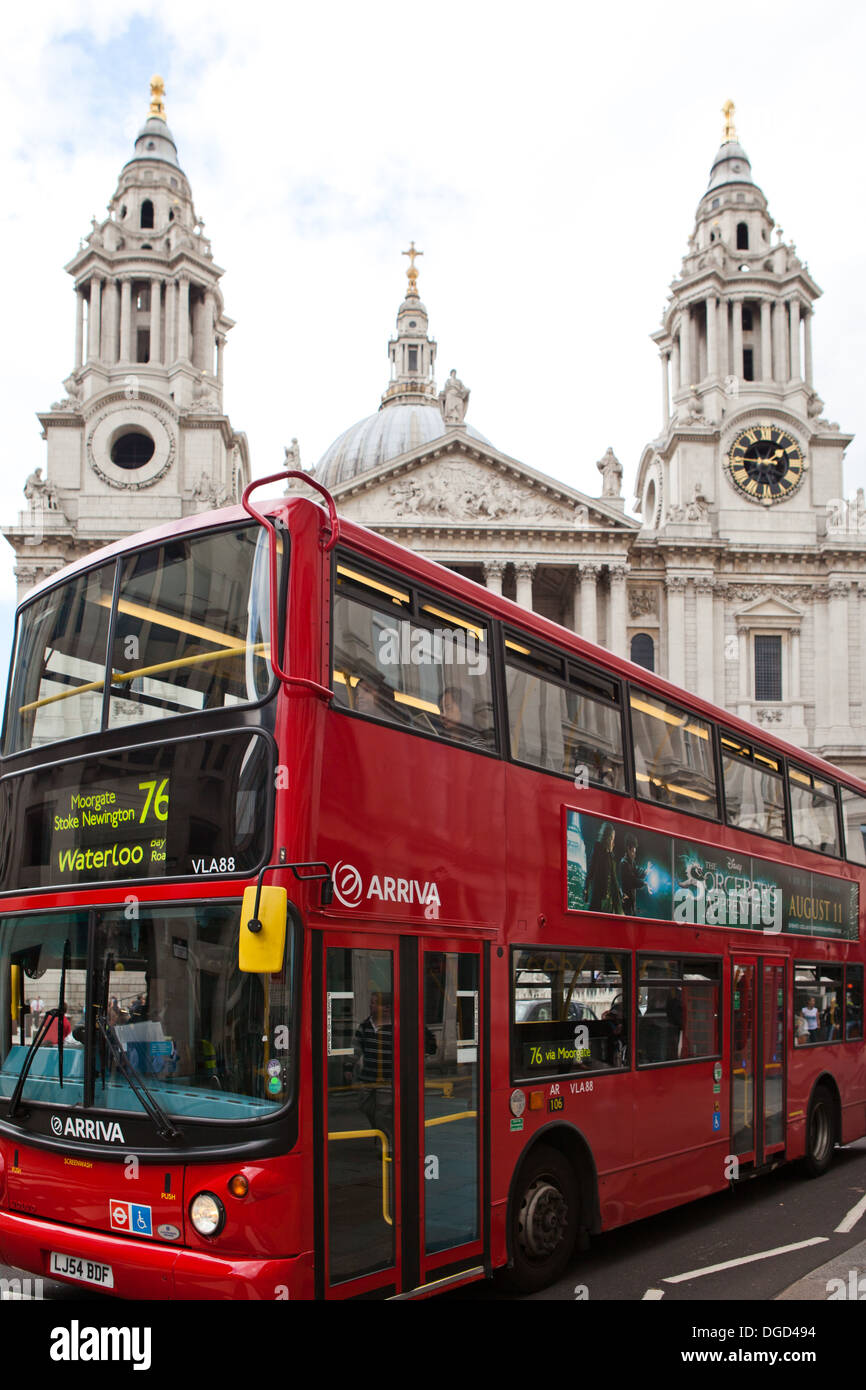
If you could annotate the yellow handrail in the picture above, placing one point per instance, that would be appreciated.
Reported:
(261, 649)
(386, 1158)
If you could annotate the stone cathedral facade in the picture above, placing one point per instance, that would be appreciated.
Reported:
(743, 577)
(141, 436)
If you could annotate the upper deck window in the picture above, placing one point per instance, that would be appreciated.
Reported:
(813, 812)
(58, 676)
(191, 628)
(673, 756)
(563, 719)
(854, 818)
(190, 633)
(754, 788)
(411, 659)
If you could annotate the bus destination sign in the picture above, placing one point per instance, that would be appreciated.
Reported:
(117, 830)
(179, 809)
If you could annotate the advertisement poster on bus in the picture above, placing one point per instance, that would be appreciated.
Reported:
(626, 870)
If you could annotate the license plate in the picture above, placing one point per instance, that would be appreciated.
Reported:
(85, 1271)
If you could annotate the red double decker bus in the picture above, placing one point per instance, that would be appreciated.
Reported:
(363, 933)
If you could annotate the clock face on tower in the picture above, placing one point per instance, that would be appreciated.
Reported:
(766, 464)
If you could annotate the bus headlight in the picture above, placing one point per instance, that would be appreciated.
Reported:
(207, 1214)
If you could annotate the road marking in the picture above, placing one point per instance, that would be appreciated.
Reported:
(653, 1294)
(850, 1221)
(743, 1260)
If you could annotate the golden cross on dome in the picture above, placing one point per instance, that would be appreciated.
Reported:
(157, 92)
(728, 113)
(412, 272)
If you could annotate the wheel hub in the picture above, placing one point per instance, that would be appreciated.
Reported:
(543, 1219)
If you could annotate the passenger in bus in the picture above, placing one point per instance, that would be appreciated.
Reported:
(374, 697)
(602, 891)
(52, 1034)
(455, 720)
(374, 1055)
(810, 1014)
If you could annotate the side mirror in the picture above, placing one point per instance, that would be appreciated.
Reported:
(262, 943)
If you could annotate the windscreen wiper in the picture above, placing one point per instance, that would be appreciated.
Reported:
(164, 1127)
(39, 1037)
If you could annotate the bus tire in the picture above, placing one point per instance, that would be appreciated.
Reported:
(820, 1133)
(543, 1220)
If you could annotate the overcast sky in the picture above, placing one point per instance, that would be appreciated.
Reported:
(547, 159)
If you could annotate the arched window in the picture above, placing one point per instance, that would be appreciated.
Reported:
(742, 236)
(147, 213)
(643, 652)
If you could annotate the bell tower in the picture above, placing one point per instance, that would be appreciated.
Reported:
(742, 431)
(141, 436)
(412, 352)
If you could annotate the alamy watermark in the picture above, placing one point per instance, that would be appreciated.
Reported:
(441, 646)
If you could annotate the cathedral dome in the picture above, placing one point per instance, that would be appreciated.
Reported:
(394, 430)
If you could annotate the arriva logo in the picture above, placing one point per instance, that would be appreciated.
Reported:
(74, 1127)
(349, 888)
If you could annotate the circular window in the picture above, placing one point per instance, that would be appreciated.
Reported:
(132, 450)
(412, 323)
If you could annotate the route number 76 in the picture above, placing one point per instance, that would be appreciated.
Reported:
(159, 798)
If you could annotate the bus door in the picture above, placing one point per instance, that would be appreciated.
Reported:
(398, 1151)
(757, 1057)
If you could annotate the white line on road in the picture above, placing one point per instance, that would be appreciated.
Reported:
(850, 1221)
(653, 1294)
(743, 1260)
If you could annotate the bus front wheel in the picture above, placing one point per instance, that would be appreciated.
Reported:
(544, 1220)
(820, 1133)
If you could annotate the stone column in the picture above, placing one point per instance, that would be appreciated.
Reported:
(220, 348)
(676, 373)
(183, 324)
(720, 652)
(780, 345)
(793, 696)
(837, 664)
(686, 347)
(743, 692)
(794, 336)
(110, 312)
(493, 569)
(794, 634)
(807, 346)
(705, 633)
(95, 318)
(155, 319)
(724, 338)
(737, 366)
(79, 328)
(170, 322)
(207, 332)
(666, 403)
(589, 572)
(524, 574)
(676, 594)
(617, 636)
(712, 337)
(125, 318)
(766, 340)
